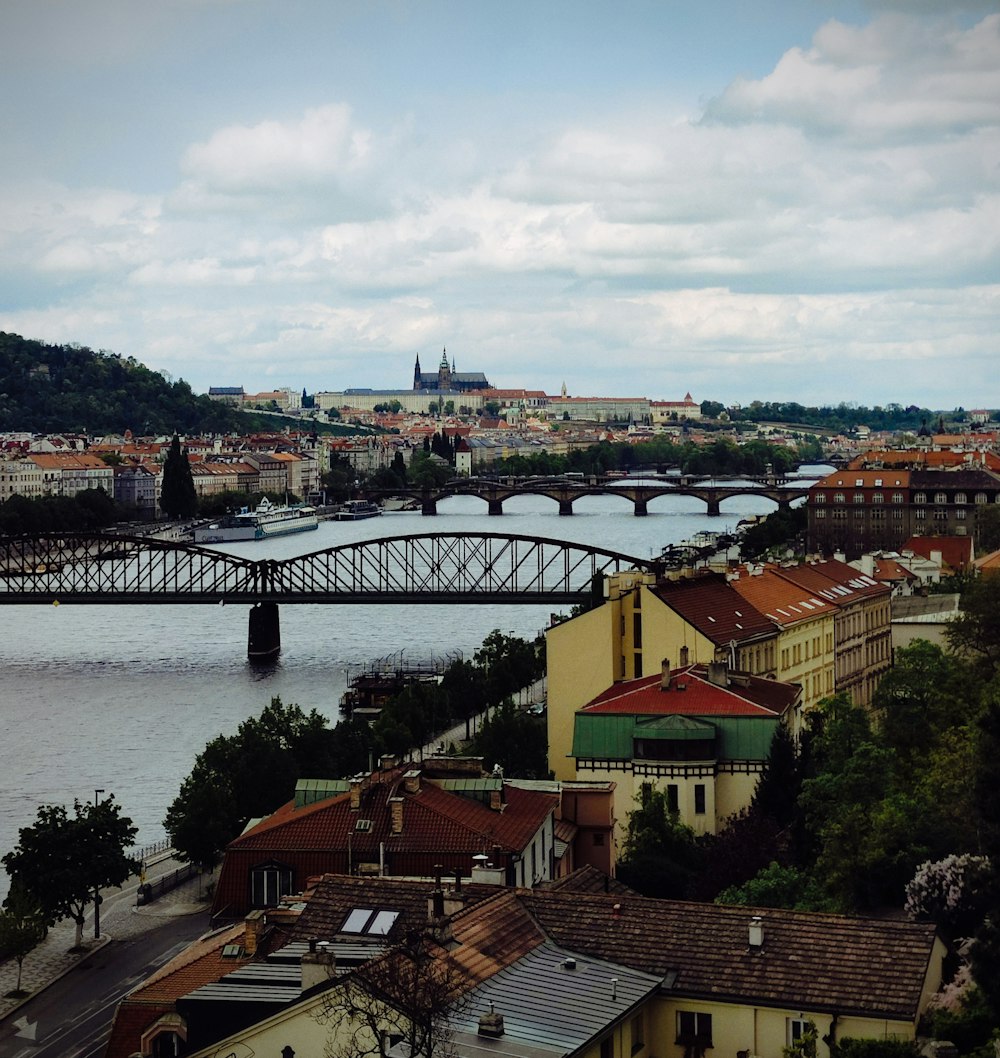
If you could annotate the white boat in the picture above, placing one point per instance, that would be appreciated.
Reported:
(266, 521)
(352, 510)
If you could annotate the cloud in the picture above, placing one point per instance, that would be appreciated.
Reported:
(323, 145)
(895, 76)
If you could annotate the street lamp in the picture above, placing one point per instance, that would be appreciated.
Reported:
(97, 891)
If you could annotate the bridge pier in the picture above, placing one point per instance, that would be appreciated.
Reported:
(264, 635)
(428, 505)
(494, 507)
(565, 506)
(640, 508)
(713, 509)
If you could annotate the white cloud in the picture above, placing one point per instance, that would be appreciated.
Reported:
(322, 145)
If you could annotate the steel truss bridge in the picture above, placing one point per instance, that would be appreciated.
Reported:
(429, 568)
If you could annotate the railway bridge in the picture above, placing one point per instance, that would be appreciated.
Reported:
(457, 568)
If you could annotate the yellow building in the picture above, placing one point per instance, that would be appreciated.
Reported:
(687, 621)
(564, 972)
(805, 647)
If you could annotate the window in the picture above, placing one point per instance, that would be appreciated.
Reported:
(960, 514)
(673, 801)
(637, 631)
(980, 497)
(694, 1029)
(838, 497)
(859, 497)
(897, 497)
(638, 1034)
(940, 497)
(920, 514)
(608, 1047)
(268, 884)
(796, 1029)
(820, 497)
(920, 497)
(878, 497)
(699, 799)
(820, 514)
(960, 497)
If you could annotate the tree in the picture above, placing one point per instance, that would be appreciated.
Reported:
(405, 996)
(660, 854)
(62, 860)
(22, 929)
(178, 498)
(975, 633)
(250, 774)
(515, 741)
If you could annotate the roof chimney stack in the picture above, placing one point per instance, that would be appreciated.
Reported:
(665, 674)
(491, 1024)
(756, 933)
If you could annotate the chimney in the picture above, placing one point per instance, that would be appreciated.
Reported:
(396, 809)
(318, 964)
(496, 799)
(359, 784)
(411, 781)
(868, 565)
(253, 930)
(718, 673)
(684, 657)
(387, 761)
(491, 1024)
(756, 933)
(435, 905)
(665, 675)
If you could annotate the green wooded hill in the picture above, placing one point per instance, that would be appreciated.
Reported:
(70, 388)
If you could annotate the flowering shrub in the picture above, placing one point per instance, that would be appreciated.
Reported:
(950, 892)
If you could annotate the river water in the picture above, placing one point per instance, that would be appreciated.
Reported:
(122, 698)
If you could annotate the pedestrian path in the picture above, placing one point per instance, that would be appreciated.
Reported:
(120, 919)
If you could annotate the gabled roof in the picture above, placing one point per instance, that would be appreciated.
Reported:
(834, 581)
(692, 693)
(782, 601)
(851, 966)
(718, 612)
(433, 820)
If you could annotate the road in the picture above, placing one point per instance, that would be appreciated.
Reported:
(71, 1015)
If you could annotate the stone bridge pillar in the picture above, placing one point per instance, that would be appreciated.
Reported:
(428, 504)
(565, 506)
(783, 505)
(494, 506)
(641, 509)
(264, 636)
(713, 507)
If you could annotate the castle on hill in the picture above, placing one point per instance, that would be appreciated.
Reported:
(447, 379)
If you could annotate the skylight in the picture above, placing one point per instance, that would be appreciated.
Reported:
(357, 920)
(382, 923)
(369, 921)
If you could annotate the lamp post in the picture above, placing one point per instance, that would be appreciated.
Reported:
(97, 890)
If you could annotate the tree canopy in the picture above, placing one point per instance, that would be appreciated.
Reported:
(178, 498)
(62, 859)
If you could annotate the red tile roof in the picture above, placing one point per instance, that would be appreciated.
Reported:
(957, 552)
(783, 601)
(691, 693)
(711, 605)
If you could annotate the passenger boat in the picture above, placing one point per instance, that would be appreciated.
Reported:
(353, 510)
(265, 521)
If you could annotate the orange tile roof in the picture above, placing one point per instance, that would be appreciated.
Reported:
(781, 600)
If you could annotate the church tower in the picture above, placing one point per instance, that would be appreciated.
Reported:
(444, 371)
(418, 382)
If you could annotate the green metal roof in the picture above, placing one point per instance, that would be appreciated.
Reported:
(477, 789)
(309, 791)
(611, 736)
(672, 728)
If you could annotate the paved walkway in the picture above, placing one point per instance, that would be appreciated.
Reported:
(120, 919)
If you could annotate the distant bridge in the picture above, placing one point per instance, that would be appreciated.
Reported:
(566, 492)
(429, 568)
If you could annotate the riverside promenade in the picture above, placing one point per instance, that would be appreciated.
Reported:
(120, 919)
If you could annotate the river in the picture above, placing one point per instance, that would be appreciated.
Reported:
(123, 698)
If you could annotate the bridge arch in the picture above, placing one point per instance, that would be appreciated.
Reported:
(455, 568)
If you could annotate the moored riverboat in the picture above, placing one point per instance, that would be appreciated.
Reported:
(266, 521)
(354, 510)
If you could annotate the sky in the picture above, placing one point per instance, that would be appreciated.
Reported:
(787, 200)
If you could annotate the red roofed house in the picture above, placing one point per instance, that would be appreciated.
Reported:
(397, 821)
(955, 554)
(701, 733)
